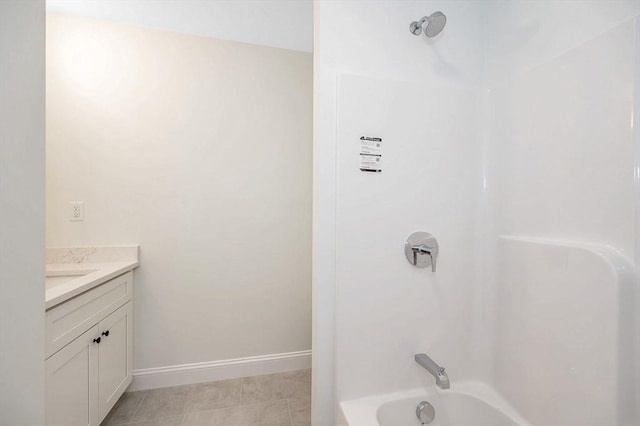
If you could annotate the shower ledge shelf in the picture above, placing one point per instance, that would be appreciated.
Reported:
(616, 259)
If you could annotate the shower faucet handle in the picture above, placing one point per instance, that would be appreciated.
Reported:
(421, 250)
(432, 252)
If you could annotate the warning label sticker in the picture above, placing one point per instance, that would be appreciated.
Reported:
(370, 154)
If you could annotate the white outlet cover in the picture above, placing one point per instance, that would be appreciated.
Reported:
(76, 211)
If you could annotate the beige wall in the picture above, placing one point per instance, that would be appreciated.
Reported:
(22, 212)
(200, 151)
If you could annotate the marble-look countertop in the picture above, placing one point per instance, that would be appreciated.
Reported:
(71, 271)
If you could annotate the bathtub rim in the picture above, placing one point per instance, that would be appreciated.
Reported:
(363, 411)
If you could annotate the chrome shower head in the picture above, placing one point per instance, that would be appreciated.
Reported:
(435, 24)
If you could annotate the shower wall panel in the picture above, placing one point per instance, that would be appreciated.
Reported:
(372, 40)
(562, 146)
(560, 167)
(387, 309)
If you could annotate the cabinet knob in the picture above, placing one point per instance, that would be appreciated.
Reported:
(105, 333)
(97, 340)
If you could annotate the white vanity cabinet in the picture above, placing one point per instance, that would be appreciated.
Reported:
(89, 353)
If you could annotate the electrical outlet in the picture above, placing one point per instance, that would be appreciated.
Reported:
(77, 211)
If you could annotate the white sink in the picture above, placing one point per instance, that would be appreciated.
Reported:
(56, 278)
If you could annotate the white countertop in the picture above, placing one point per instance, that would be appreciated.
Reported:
(72, 271)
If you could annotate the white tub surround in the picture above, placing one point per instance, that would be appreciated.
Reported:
(71, 271)
(514, 144)
(580, 325)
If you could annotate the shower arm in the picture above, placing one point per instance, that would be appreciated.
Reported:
(423, 20)
(416, 27)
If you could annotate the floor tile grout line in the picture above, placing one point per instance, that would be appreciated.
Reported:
(153, 420)
(289, 410)
(241, 389)
(146, 392)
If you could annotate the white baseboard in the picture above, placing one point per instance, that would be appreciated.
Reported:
(174, 375)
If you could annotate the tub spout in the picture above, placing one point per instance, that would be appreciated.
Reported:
(442, 379)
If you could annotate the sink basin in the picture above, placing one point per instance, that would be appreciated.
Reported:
(56, 278)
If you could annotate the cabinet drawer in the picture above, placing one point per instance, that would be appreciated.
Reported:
(70, 319)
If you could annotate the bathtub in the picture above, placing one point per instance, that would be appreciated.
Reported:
(465, 404)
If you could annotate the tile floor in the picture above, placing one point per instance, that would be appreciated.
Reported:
(282, 399)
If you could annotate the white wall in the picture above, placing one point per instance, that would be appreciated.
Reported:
(22, 202)
(373, 40)
(199, 150)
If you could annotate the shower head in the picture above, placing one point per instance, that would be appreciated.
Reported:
(435, 23)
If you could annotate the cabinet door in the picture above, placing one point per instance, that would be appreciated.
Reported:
(115, 357)
(71, 383)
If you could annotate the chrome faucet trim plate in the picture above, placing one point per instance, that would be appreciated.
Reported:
(421, 250)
